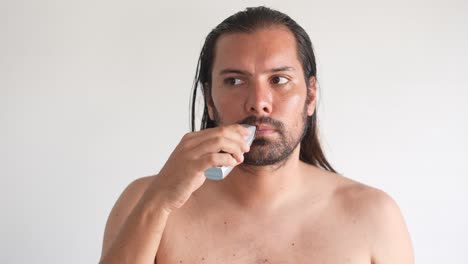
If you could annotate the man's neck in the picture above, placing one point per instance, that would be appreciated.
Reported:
(264, 186)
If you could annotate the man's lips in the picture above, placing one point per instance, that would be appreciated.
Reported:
(264, 129)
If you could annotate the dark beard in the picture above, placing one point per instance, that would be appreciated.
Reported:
(264, 152)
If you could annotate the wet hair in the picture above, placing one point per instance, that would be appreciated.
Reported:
(248, 21)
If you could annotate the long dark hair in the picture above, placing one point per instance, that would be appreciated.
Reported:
(248, 21)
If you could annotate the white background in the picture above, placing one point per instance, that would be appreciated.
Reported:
(94, 94)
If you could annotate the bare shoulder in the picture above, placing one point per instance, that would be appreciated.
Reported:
(362, 199)
(379, 215)
(130, 196)
(123, 207)
(135, 189)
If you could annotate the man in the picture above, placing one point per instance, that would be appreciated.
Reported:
(283, 202)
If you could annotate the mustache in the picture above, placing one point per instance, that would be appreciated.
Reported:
(253, 120)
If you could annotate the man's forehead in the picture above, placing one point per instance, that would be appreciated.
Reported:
(263, 50)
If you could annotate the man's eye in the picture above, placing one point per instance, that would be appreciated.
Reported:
(233, 81)
(279, 80)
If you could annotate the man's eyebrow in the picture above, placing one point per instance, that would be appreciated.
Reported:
(231, 70)
(284, 68)
(237, 71)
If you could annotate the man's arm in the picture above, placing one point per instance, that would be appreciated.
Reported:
(392, 243)
(137, 221)
(134, 227)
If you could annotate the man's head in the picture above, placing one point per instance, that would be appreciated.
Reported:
(258, 67)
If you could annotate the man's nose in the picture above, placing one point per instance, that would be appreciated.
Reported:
(259, 99)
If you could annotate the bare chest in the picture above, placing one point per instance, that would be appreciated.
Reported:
(286, 238)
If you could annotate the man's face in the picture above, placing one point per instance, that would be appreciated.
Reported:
(257, 79)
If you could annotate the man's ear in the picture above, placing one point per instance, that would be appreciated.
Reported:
(312, 96)
(208, 100)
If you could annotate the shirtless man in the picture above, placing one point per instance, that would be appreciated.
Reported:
(283, 202)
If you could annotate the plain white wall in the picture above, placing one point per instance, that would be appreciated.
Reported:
(94, 94)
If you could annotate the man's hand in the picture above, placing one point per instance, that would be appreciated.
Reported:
(183, 172)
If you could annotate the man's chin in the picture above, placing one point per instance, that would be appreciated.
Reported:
(262, 155)
(260, 142)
